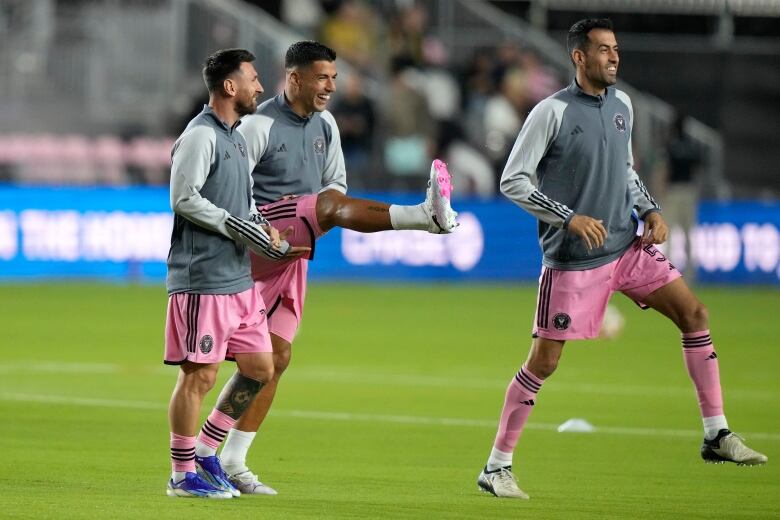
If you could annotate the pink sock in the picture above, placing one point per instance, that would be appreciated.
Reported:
(702, 363)
(518, 403)
(215, 429)
(182, 453)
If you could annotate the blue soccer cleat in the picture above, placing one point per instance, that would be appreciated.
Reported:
(211, 471)
(193, 486)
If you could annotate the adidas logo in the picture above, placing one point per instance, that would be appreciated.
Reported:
(577, 130)
(530, 402)
(282, 148)
(712, 356)
(227, 155)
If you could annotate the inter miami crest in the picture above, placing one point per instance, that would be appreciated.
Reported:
(206, 344)
(620, 123)
(319, 144)
(561, 321)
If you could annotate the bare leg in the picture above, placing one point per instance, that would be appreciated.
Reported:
(254, 416)
(679, 304)
(334, 209)
(194, 382)
(544, 356)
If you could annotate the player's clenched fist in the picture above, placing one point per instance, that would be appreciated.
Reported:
(590, 230)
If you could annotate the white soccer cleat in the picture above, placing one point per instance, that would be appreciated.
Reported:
(500, 483)
(248, 484)
(729, 447)
(437, 200)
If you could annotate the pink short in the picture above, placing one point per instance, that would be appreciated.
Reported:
(204, 328)
(571, 304)
(283, 284)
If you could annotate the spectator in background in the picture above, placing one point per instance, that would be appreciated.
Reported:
(472, 173)
(410, 128)
(352, 32)
(679, 193)
(542, 82)
(478, 86)
(304, 16)
(504, 115)
(406, 37)
(355, 116)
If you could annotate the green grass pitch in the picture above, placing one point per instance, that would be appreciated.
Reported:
(388, 410)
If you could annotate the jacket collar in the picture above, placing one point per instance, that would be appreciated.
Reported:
(209, 113)
(284, 108)
(585, 98)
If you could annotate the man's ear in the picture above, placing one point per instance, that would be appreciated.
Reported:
(230, 87)
(578, 57)
(295, 78)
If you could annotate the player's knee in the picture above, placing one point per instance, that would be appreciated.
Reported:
(200, 382)
(262, 372)
(695, 318)
(544, 368)
(329, 204)
(282, 361)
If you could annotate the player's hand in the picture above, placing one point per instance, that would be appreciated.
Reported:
(656, 231)
(274, 234)
(294, 251)
(297, 251)
(590, 230)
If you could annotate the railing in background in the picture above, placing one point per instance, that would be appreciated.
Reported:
(124, 235)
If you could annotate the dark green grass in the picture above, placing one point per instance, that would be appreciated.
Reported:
(360, 430)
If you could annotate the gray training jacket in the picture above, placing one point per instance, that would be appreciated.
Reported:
(290, 154)
(578, 147)
(210, 180)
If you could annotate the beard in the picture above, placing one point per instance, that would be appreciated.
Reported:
(246, 106)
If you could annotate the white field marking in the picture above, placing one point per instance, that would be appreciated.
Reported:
(366, 417)
(335, 375)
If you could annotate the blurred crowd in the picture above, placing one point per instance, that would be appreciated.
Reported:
(403, 99)
(424, 102)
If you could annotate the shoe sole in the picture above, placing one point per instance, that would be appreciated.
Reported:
(184, 494)
(442, 179)
(205, 475)
(710, 457)
(488, 490)
(442, 188)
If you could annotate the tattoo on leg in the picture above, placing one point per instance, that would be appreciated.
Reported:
(237, 395)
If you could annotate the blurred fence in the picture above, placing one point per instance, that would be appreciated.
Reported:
(94, 66)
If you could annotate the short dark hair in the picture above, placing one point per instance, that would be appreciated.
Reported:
(578, 33)
(222, 64)
(306, 53)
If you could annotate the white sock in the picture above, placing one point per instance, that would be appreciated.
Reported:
(714, 424)
(498, 459)
(178, 476)
(409, 217)
(204, 450)
(233, 455)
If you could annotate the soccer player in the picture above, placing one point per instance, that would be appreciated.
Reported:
(300, 182)
(578, 144)
(213, 306)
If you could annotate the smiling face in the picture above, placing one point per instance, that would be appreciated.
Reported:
(247, 89)
(309, 87)
(597, 64)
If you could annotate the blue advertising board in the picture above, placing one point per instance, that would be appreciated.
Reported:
(124, 234)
